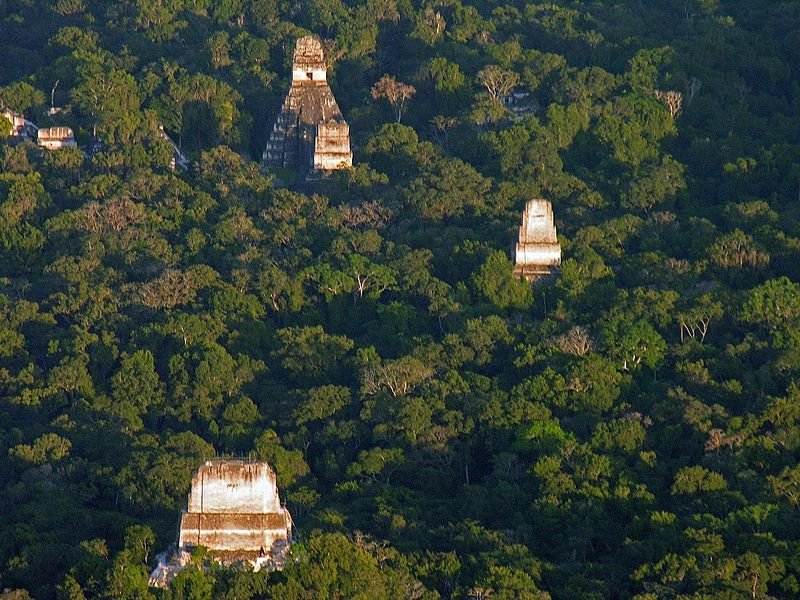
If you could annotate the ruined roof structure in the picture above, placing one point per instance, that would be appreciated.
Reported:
(538, 253)
(234, 510)
(20, 126)
(55, 138)
(310, 133)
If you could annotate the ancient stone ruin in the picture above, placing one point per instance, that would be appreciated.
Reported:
(234, 511)
(538, 253)
(21, 127)
(310, 133)
(55, 138)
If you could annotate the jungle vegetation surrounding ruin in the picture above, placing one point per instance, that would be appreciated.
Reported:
(439, 428)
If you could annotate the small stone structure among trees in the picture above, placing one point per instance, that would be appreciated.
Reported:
(538, 252)
(55, 138)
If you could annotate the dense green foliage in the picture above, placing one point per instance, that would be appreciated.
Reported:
(439, 429)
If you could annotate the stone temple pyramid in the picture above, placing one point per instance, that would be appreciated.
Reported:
(310, 133)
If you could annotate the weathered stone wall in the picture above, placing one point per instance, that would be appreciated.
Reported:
(309, 55)
(539, 255)
(538, 223)
(308, 62)
(17, 121)
(332, 146)
(230, 533)
(54, 138)
(234, 487)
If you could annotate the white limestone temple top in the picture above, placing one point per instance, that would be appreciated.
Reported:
(537, 251)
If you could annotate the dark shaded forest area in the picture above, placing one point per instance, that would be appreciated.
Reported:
(439, 428)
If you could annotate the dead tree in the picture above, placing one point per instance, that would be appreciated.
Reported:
(672, 100)
(395, 92)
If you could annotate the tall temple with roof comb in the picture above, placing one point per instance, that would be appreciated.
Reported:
(310, 133)
(538, 253)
